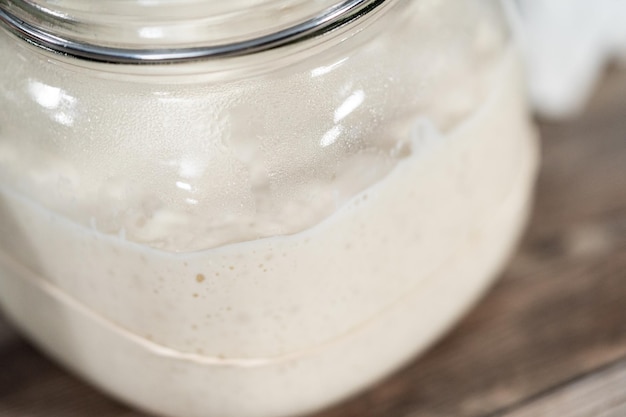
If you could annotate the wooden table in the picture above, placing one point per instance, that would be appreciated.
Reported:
(548, 340)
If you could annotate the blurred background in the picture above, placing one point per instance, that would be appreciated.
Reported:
(550, 338)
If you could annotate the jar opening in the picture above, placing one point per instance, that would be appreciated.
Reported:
(168, 31)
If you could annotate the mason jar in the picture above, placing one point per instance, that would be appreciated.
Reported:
(254, 208)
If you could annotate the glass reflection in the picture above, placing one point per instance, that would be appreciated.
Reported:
(60, 104)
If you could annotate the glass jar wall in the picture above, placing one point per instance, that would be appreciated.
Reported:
(285, 226)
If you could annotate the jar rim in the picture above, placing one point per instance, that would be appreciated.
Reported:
(31, 27)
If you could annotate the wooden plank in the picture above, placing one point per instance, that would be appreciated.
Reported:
(600, 394)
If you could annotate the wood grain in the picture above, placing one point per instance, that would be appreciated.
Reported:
(548, 340)
(600, 394)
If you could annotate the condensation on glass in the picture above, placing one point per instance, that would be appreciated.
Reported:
(254, 208)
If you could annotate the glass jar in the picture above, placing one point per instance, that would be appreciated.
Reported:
(254, 208)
